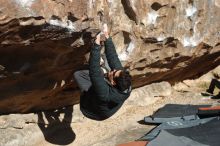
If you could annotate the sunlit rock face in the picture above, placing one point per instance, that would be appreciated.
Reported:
(42, 43)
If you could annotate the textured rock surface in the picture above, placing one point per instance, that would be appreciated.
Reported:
(55, 127)
(200, 84)
(42, 42)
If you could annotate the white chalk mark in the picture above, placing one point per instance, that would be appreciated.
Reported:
(62, 83)
(190, 11)
(25, 3)
(192, 41)
(127, 52)
(55, 86)
(161, 38)
(68, 24)
(152, 17)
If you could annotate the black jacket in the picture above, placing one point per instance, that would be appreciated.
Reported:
(102, 100)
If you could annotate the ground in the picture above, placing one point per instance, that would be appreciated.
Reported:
(125, 127)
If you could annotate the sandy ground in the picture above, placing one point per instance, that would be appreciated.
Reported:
(124, 126)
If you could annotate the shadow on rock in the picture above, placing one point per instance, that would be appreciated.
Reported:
(57, 129)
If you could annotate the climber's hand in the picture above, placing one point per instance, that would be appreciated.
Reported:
(105, 30)
(97, 40)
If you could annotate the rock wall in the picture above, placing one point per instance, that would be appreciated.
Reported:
(42, 42)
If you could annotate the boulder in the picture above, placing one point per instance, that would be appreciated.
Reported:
(43, 42)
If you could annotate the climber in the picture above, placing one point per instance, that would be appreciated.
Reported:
(103, 94)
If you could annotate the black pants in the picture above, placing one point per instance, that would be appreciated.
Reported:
(82, 76)
(83, 80)
(214, 83)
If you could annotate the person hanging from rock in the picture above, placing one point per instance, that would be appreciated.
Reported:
(102, 95)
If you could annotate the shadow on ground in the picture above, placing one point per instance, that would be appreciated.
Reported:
(56, 129)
